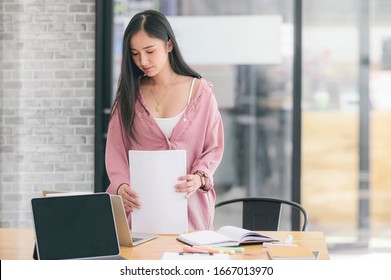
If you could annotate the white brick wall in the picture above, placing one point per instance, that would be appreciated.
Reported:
(46, 102)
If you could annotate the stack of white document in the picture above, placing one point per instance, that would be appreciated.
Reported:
(154, 175)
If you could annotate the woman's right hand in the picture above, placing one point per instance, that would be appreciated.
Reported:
(129, 198)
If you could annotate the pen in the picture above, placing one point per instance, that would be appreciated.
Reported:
(191, 249)
(201, 253)
(216, 250)
(265, 244)
(209, 249)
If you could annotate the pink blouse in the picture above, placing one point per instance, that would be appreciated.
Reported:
(199, 132)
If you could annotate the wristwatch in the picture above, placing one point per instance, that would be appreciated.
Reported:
(202, 177)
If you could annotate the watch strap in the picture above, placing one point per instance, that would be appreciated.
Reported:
(202, 177)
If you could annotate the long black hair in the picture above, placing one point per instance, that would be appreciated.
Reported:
(156, 25)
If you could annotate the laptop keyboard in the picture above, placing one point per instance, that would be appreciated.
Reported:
(136, 239)
(109, 258)
(114, 258)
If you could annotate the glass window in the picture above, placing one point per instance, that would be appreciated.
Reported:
(346, 108)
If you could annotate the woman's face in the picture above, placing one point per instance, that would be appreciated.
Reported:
(148, 53)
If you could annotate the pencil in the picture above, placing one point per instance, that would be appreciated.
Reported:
(209, 249)
(193, 249)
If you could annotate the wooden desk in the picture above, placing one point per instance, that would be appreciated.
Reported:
(18, 244)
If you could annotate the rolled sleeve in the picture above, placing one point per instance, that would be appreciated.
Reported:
(117, 163)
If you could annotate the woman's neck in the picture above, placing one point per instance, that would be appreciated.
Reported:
(163, 79)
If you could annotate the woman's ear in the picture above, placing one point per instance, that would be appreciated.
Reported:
(170, 45)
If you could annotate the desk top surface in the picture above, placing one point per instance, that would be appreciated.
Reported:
(18, 244)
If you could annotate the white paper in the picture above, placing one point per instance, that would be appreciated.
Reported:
(192, 256)
(154, 175)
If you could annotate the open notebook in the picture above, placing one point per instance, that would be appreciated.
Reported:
(224, 236)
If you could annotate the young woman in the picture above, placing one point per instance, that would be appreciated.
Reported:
(163, 104)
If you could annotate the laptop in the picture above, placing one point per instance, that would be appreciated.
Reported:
(125, 235)
(75, 227)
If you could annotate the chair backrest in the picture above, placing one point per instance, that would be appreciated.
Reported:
(263, 213)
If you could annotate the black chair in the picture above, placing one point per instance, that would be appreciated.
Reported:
(262, 213)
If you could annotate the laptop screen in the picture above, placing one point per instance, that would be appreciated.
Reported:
(71, 227)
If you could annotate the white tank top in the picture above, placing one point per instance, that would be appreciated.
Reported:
(167, 124)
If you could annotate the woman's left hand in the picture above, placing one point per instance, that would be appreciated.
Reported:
(191, 185)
